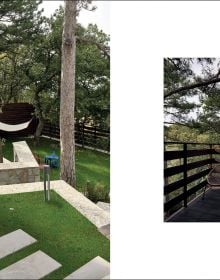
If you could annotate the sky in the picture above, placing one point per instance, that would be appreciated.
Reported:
(101, 16)
(197, 69)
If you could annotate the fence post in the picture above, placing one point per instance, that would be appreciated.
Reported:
(50, 130)
(95, 142)
(185, 173)
(83, 135)
(166, 181)
(211, 154)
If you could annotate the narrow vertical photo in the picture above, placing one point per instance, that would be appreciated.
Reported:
(192, 139)
(54, 139)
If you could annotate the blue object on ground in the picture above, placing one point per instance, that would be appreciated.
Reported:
(52, 160)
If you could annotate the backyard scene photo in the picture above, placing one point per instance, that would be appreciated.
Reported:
(192, 139)
(54, 140)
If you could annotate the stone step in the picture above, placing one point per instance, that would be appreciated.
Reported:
(35, 266)
(97, 268)
(6, 161)
(104, 206)
(105, 230)
(107, 277)
(14, 241)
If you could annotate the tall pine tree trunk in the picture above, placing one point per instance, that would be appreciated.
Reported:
(39, 114)
(67, 98)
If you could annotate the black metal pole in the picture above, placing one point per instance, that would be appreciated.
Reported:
(48, 183)
(46, 169)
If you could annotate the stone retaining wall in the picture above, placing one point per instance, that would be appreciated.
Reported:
(24, 169)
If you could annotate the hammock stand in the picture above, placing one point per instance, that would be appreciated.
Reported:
(213, 178)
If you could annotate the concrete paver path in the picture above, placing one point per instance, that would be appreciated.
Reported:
(14, 241)
(35, 266)
(97, 268)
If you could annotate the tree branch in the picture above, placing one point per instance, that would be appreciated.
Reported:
(183, 124)
(196, 85)
(104, 49)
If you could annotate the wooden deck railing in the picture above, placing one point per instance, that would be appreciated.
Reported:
(189, 172)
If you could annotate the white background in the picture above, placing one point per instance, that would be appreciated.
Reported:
(142, 33)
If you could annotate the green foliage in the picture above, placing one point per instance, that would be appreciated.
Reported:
(20, 22)
(179, 72)
(97, 192)
(181, 133)
(92, 77)
(30, 72)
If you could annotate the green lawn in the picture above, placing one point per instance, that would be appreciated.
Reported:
(91, 166)
(62, 232)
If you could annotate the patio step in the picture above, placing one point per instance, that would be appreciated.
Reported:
(6, 161)
(97, 268)
(104, 206)
(35, 266)
(105, 230)
(107, 277)
(14, 241)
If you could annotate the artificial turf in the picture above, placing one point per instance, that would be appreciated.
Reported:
(61, 231)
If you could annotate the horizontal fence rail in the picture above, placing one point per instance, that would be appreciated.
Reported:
(187, 167)
(84, 135)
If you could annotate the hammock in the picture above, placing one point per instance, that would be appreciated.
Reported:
(12, 127)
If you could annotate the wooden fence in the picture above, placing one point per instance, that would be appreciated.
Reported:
(84, 135)
(179, 190)
(16, 113)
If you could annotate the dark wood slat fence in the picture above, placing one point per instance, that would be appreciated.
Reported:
(84, 135)
(178, 193)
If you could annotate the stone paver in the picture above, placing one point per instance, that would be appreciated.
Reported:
(95, 269)
(35, 266)
(14, 241)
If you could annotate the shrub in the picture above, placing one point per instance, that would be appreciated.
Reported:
(97, 192)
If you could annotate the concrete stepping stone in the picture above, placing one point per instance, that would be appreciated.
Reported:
(97, 268)
(35, 266)
(14, 241)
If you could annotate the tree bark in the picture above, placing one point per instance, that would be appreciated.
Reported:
(39, 114)
(67, 97)
(39, 129)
